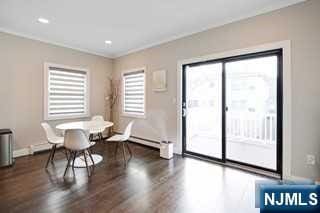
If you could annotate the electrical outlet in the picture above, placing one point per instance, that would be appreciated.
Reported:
(311, 160)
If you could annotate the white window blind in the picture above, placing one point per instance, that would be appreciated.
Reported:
(134, 93)
(66, 93)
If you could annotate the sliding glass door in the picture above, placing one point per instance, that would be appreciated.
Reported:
(251, 119)
(203, 109)
(232, 110)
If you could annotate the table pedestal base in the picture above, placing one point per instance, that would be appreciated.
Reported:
(79, 162)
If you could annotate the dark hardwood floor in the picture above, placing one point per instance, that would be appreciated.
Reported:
(147, 184)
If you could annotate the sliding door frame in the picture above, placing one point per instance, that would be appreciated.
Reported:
(279, 140)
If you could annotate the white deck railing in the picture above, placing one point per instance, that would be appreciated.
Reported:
(252, 127)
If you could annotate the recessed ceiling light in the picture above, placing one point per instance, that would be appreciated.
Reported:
(43, 20)
(108, 42)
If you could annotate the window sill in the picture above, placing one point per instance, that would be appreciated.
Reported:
(66, 117)
(134, 115)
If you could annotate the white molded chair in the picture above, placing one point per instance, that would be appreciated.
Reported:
(123, 139)
(97, 131)
(76, 141)
(53, 139)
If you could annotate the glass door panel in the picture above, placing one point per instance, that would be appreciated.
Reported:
(251, 118)
(203, 107)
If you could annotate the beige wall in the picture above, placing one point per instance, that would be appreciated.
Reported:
(21, 84)
(298, 23)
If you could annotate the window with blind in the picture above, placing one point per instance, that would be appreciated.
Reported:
(134, 93)
(66, 92)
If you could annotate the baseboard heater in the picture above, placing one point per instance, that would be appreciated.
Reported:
(144, 141)
(36, 148)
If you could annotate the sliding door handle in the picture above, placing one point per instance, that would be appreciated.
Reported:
(184, 112)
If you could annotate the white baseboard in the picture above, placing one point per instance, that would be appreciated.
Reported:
(32, 149)
(39, 147)
(21, 152)
(297, 178)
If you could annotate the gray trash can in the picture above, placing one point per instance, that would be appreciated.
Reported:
(6, 152)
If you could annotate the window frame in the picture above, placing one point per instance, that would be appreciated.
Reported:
(46, 115)
(134, 115)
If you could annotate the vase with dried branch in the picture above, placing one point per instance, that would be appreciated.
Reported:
(113, 96)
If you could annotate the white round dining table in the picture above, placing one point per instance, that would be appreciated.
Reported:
(86, 126)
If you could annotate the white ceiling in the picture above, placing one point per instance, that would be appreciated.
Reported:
(130, 24)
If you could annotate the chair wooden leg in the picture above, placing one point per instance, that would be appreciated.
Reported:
(85, 160)
(124, 153)
(49, 158)
(129, 149)
(54, 152)
(66, 153)
(68, 165)
(90, 155)
(74, 158)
